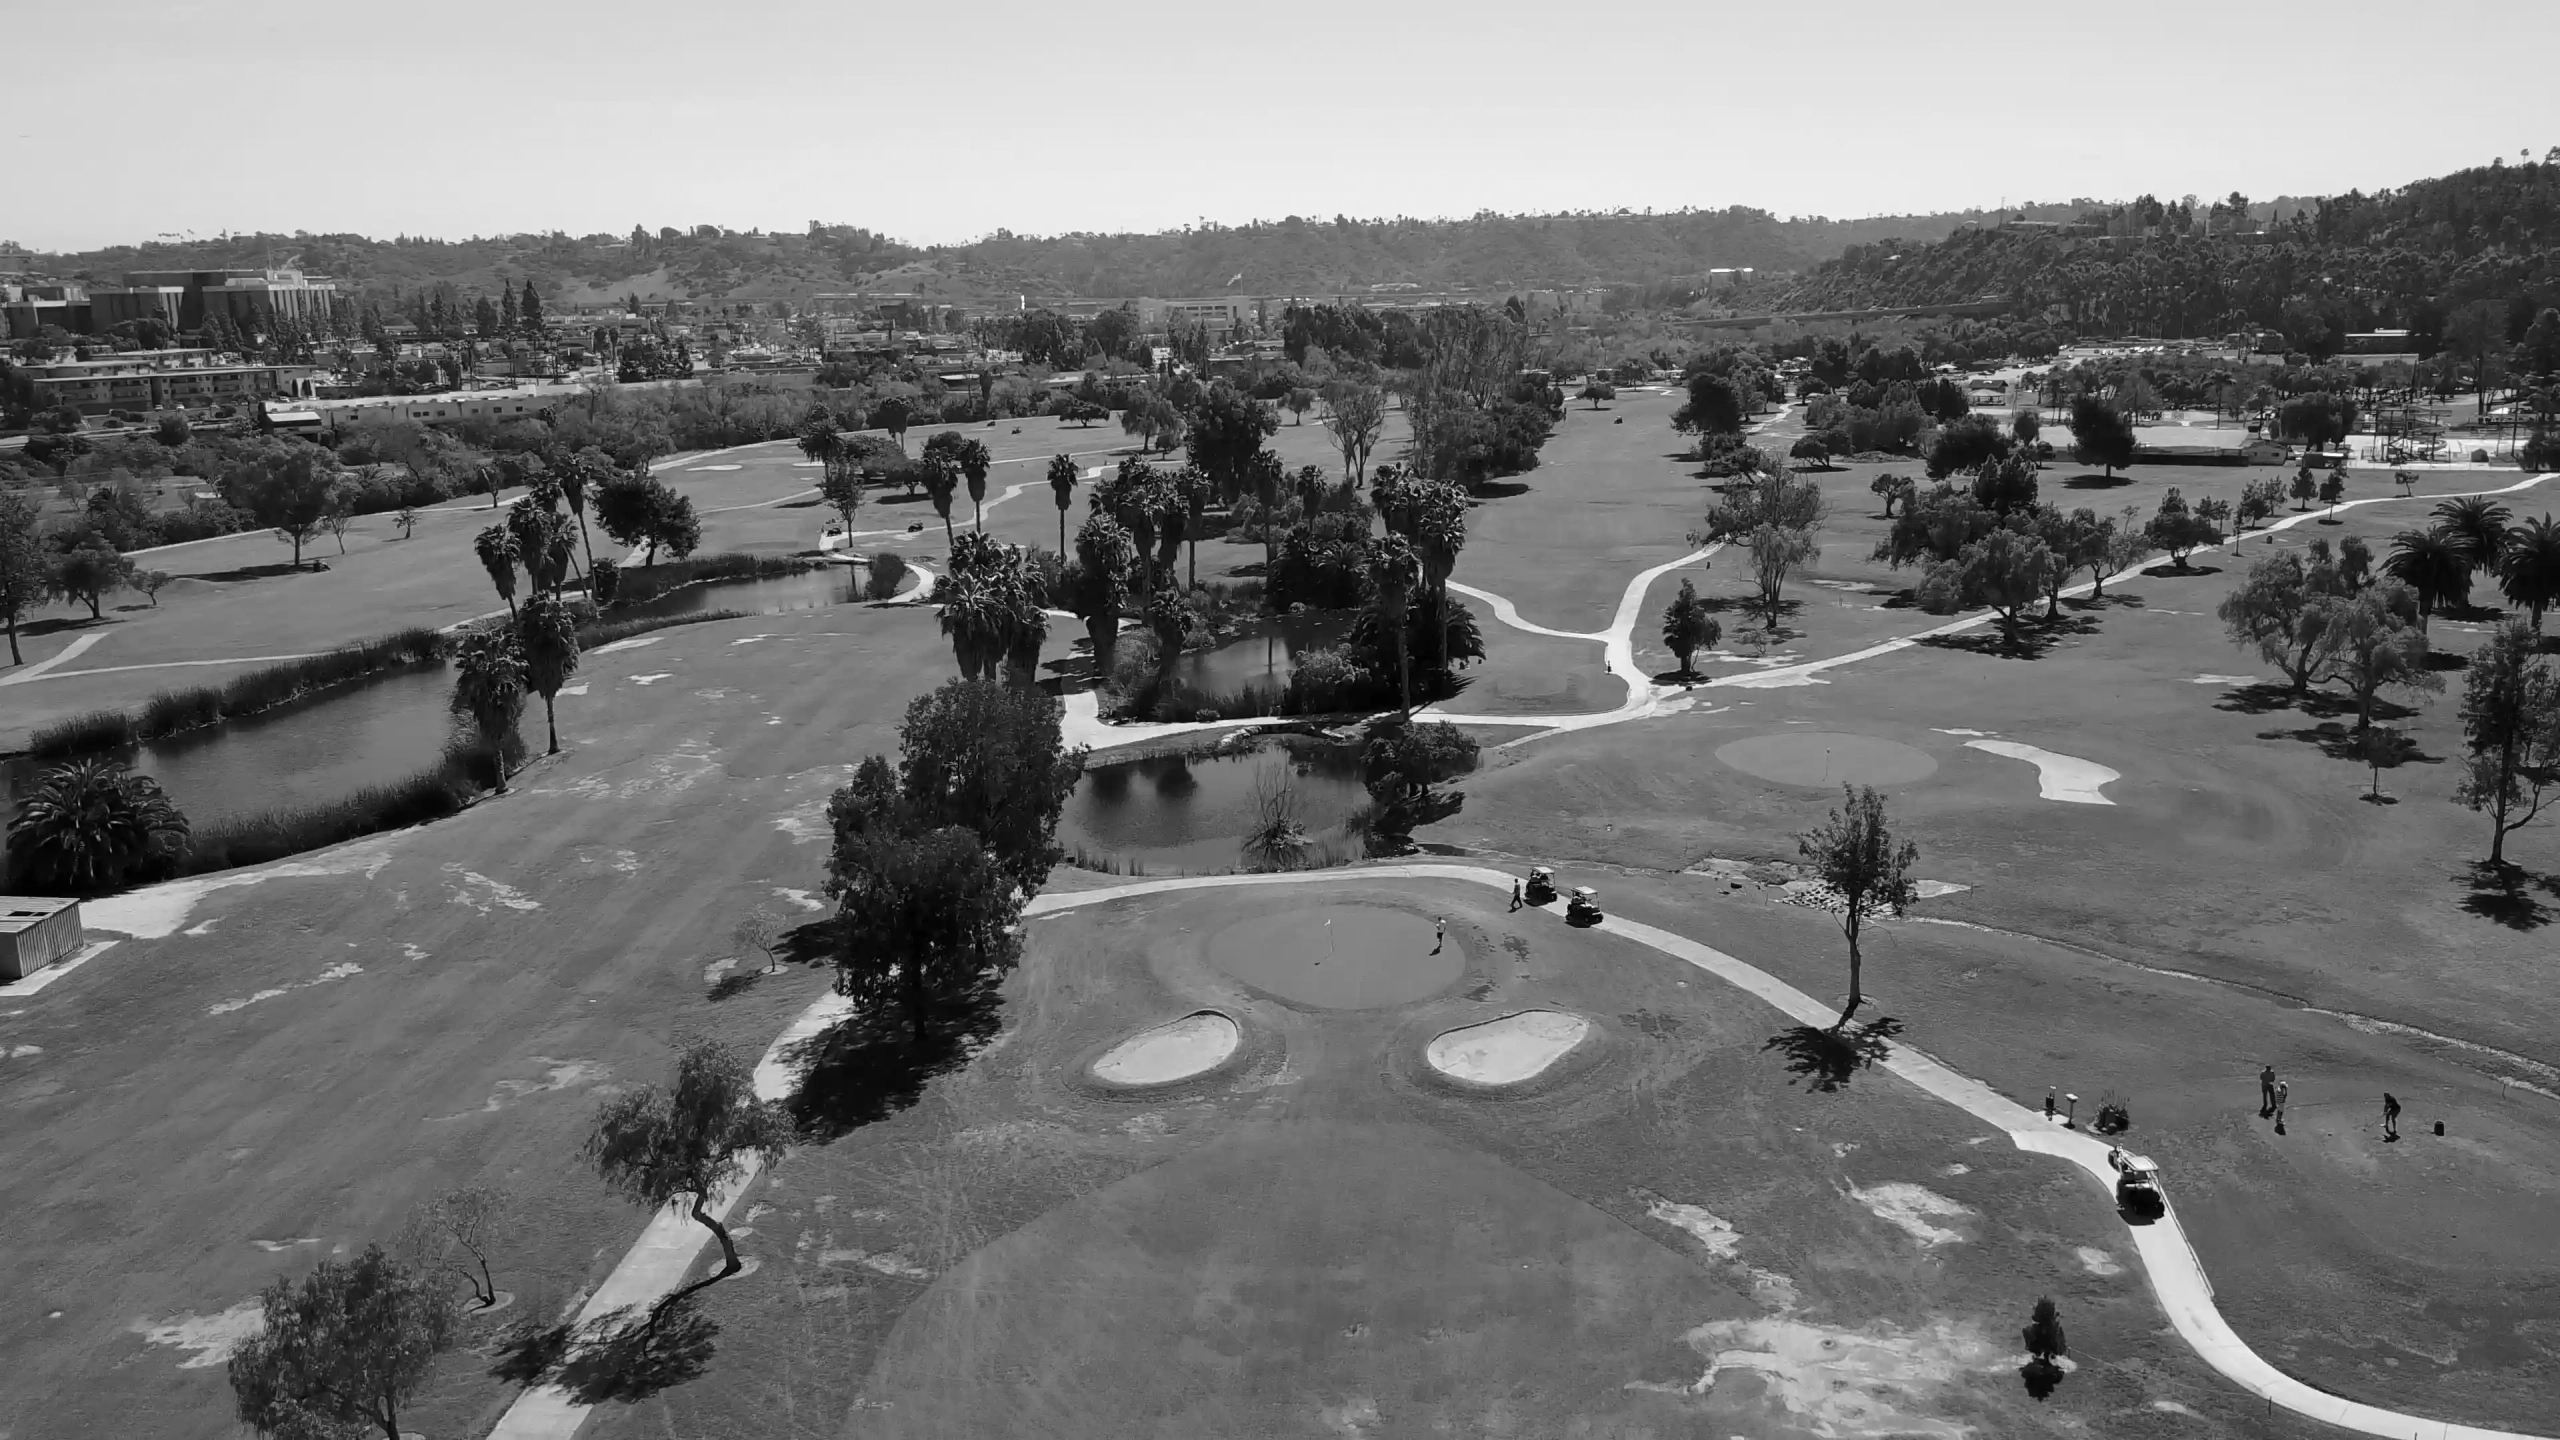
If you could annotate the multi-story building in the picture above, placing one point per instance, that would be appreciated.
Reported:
(148, 380)
(29, 308)
(242, 296)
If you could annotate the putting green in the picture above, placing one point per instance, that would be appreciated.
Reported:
(1339, 957)
(1827, 758)
(1304, 1278)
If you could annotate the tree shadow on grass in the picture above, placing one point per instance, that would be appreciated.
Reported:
(2447, 660)
(617, 1356)
(1829, 1057)
(2504, 893)
(2096, 482)
(874, 1064)
(2035, 638)
(2341, 741)
(256, 572)
(734, 984)
(2176, 571)
(1498, 489)
(2041, 1377)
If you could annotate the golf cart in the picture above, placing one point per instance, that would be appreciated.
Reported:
(2137, 1185)
(1542, 886)
(1584, 907)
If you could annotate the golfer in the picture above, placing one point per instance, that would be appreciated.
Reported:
(2266, 1090)
(1439, 934)
(2390, 1116)
(2283, 1090)
(1515, 892)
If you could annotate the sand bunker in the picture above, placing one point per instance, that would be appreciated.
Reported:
(2066, 778)
(1177, 1050)
(1826, 759)
(1509, 1050)
(1339, 957)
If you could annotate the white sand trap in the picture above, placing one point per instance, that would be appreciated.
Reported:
(2224, 680)
(698, 469)
(1176, 1050)
(1944, 731)
(1876, 1381)
(1508, 1050)
(652, 679)
(1703, 1225)
(1913, 1209)
(801, 464)
(209, 1338)
(2066, 778)
(633, 643)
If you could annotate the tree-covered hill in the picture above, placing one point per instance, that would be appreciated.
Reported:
(2414, 258)
(1292, 256)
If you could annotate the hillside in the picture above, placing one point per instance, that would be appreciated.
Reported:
(2404, 258)
(1293, 256)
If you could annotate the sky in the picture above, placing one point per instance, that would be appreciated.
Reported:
(943, 122)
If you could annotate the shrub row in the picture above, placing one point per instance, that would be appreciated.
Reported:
(173, 711)
(605, 632)
(640, 584)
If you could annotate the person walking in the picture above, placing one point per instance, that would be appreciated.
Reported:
(2390, 1116)
(1439, 934)
(2266, 1091)
(1515, 892)
(2284, 1089)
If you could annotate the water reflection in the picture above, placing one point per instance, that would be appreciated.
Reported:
(1176, 812)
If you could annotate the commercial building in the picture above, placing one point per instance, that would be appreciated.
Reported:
(242, 296)
(113, 305)
(28, 308)
(149, 380)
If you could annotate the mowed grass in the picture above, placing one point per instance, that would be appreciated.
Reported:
(300, 1061)
(1323, 1234)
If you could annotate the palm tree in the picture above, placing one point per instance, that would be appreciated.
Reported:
(573, 475)
(2529, 570)
(1395, 572)
(940, 480)
(549, 635)
(977, 616)
(2479, 525)
(496, 547)
(972, 457)
(1062, 484)
(489, 690)
(2434, 564)
(89, 827)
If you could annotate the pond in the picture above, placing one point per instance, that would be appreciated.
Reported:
(808, 590)
(374, 731)
(320, 750)
(1265, 656)
(1191, 813)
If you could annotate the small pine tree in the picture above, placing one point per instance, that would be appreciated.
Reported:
(2044, 1331)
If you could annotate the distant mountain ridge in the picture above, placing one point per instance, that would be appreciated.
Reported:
(1292, 256)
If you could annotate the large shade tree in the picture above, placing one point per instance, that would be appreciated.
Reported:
(344, 1351)
(686, 1143)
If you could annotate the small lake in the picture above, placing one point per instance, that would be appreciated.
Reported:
(1191, 813)
(319, 750)
(1264, 657)
(374, 731)
(808, 590)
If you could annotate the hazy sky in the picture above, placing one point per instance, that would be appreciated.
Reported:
(941, 122)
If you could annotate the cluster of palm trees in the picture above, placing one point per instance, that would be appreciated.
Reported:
(2469, 536)
(994, 607)
(536, 651)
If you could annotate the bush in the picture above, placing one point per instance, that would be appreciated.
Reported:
(605, 632)
(95, 733)
(1330, 679)
(888, 572)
